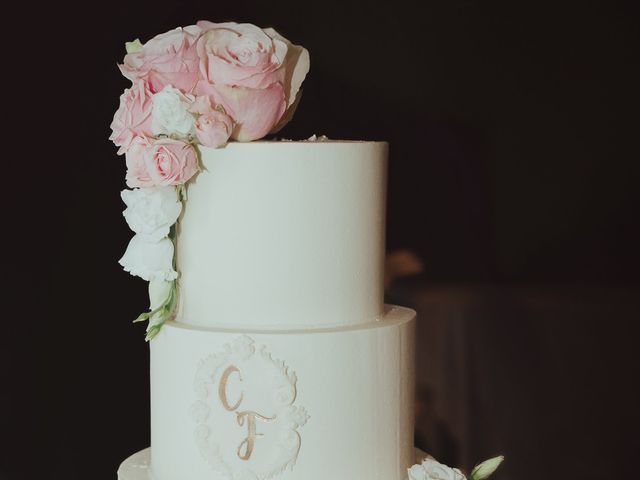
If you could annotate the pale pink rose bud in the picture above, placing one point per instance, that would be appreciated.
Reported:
(170, 162)
(133, 117)
(201, 105)
(213, 128)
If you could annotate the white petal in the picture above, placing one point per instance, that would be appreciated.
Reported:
(435, 469)
(158, 293)
(417, 472)
(149, 260)
(297, 65)
(151, 211)
(170, 114)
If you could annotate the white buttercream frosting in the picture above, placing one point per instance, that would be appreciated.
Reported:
(284, 235)
(332, 404)
(283, 361)
(312, 138)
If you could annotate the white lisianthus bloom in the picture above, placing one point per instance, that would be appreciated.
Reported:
(430, 469)
(149, 260)
(170, 114)
(151, 211)
(159, 292)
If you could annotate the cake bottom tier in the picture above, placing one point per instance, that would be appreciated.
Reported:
(136, 467)
(291, 405)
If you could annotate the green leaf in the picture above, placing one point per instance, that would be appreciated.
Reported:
(158, 316)
(133, 47)
(146, 315)
(486, 468)
(166, 307)
(152, 332)
(142, 317)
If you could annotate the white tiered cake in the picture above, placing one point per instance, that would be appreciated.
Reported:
(282, 362)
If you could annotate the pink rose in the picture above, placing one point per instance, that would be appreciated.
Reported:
(137, 172)
(160, 162)
(213, 128)
(167, 59)
(133, 117)
(240, 55)
(255, 74)
(170, 162)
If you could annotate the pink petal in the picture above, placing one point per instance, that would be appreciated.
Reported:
(255, 111)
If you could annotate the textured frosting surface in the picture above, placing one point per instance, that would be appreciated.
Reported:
(314, 404)
(284, 235)
(136, 467)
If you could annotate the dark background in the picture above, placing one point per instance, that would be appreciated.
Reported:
(513, 176)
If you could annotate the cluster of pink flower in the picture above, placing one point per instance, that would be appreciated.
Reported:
(203, 84)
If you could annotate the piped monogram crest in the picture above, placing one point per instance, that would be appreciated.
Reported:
(247, 423)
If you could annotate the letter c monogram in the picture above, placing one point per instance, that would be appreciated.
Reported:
(222, 388)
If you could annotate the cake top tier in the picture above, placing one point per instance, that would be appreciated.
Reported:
(232, 233)
(284, 235)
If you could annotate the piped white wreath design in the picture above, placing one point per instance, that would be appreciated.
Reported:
(278, 394)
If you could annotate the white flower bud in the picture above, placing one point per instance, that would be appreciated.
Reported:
(486, 468)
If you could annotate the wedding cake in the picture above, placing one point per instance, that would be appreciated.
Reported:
(272, 352)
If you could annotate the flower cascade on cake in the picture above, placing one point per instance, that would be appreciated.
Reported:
(431, 469)
(201, 85)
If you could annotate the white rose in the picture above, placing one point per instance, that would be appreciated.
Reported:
(149, 260)
(170, 114)
(151, 211)
(430, 469)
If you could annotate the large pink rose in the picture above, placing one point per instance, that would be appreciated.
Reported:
(255, 74)
(160, 162)
(240, 55)
(167, 59)
(133, 117)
